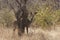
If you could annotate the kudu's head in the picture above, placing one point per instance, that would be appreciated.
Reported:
(31, 15)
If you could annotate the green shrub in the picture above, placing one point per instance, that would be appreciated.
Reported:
(46, 16)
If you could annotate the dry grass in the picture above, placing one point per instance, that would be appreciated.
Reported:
(34, 34)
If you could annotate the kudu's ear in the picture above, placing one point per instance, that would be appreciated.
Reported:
(35, 13)
(31, 13)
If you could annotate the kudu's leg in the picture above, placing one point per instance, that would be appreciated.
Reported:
(14, 28)
(27, 29)
(14, 25)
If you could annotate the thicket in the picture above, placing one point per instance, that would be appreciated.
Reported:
(47, 17)
(7, 18)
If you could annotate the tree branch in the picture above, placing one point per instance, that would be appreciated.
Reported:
(18, 2)
(12, 8)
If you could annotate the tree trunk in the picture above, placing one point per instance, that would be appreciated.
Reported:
(21, 16)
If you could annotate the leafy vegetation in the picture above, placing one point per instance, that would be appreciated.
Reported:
(7, 18)
(48, 12)
(46, 16)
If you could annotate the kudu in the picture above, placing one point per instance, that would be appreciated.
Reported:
(26, 22)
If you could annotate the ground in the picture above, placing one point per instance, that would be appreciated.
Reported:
(34, 34)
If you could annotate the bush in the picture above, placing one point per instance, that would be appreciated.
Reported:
(8, 18)
(46, 16)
